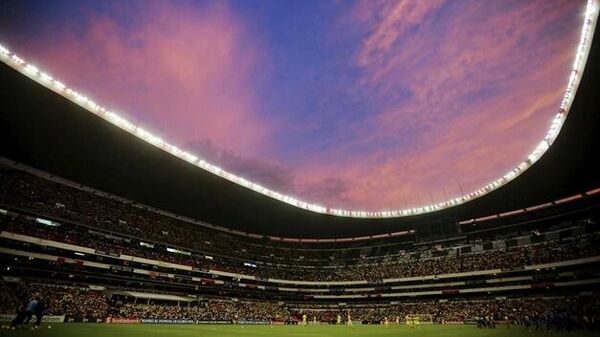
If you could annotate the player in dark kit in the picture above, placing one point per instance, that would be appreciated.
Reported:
(20, 317)
(39, 312)
(29, 309)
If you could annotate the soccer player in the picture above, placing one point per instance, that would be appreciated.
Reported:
(349, 319)
(29, 309)
(339, 319)
(416, 321)
(304, 320)
(386, 322)
(20, 317)
(39, 312)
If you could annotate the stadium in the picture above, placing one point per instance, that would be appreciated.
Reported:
(108, 228)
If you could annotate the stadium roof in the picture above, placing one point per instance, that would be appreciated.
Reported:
(47, 131)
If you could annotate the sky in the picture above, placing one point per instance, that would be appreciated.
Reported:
(362, 105)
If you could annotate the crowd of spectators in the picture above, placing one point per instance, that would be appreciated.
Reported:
(44, 197)
(579, 311)
(514, 310)
(9, 297)
(514, 257)
(70, 300)
(23, 190)
(80, 302)
(206, 311)
(115, 227)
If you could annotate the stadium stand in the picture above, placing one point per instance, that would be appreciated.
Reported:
(80, 303)
(110, 260)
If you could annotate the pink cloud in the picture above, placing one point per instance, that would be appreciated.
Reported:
(190, 71)
(463, 137)
(481, 91)
(398, 18)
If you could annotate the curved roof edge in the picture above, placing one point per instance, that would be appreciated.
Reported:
(581, 56)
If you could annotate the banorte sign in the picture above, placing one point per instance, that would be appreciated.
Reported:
(117, 320)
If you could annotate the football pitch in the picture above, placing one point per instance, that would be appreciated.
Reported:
(146, 330)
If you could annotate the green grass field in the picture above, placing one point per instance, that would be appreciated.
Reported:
(150, 330)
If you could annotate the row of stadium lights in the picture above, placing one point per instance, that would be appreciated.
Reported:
(582, 51)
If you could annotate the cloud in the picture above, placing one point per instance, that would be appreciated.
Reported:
(270, 174)
(423, 96)
(186, 68)
(273, 174)
(399, 17)
(480, 99)
(326, 189)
